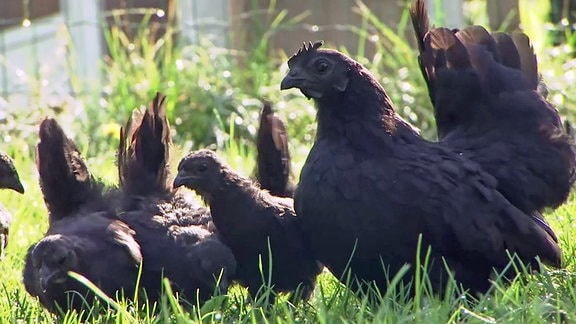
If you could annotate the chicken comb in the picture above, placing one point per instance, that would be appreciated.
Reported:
(304, 51)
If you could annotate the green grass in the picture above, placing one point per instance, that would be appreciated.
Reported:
(214, 97)
(531, 298)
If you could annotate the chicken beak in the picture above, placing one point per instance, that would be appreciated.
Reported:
(180, 180)
(17, 186)
(45, 276)
(291, 80)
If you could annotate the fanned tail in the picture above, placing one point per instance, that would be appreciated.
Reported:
(144, 150)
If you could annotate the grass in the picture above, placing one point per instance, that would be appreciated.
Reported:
(549, 296)
(214, 98)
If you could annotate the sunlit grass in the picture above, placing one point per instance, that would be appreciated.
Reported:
(532, 298)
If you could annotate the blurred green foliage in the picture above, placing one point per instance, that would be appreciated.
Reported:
(209, 87)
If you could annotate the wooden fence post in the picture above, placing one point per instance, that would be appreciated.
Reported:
(450, 14)
(83, 22)
(204, 18)
(503, 14)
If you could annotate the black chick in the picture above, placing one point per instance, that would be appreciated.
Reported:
(176, 234)
(490, 104)
(102, 250)
(252, 222)
(9, 179)
(273, 167)
(82, 236)
(371, 186)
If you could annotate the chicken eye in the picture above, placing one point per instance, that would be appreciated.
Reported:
(61, 261)
(202, 167)
(322, 66)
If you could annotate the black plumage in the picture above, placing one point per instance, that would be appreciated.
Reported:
(9, 179)
(82, 237)
(273, 164)
(67, 185)
(252, 222)
(99, 248)
(490, 104)
(176, 234)
(371, 185)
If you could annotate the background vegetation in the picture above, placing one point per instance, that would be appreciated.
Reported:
(214, 98)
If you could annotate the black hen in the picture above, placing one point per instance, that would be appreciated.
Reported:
(252, 222)
(273, 164)
(487, 103)
(176, 235)
(371, 185)
(9, 179)
(82, 237)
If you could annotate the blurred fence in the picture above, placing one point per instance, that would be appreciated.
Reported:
(57, 46)
(35, 34)
(336, 22)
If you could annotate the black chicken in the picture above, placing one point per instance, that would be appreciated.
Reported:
(273, 164)
(176, 234)
(487, 103)
(9, 179)
(371, 186)
(82, 237)
(97, 247)
(253, 223)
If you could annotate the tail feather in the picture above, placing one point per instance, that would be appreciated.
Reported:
(438, 47)
(479, 36)
(475, 47)
(528, 59)
(444, 40)
(481, 85)
(64, 178)
(273, 157)
(421, 24)
(144, 150)
(508, 52)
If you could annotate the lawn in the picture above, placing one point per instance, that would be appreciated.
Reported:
(208, 107)
(549, 296)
